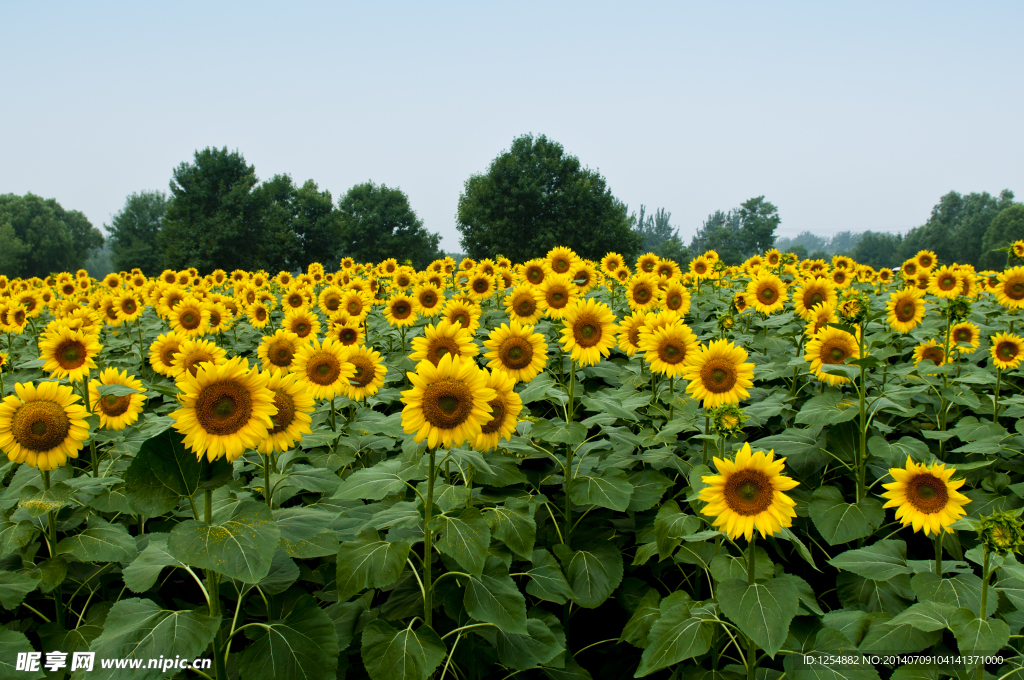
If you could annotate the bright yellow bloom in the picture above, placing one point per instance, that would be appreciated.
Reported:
(368, 371)
(1007, 350)
(524, 304)
(294, 406)
(505, 409)
(1009, 290)
(829, 347)
(517, 350)
(964, 333)
(444, 338)
(42, 425)
(719, 374)
(925, 497)
(906, 309)
(325, 367)
(767, 293)
(68, 353)
(117, 412)
(448, 404)
(667, 348)
(589, 331)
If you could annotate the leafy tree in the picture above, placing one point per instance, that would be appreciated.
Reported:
(653, 229)
(534, 197)
(134, 232)
(758, 221)
(100, 262)
(809, 241)
(673, 249)
(12, 251)
(299, 222)
(799, 250)
(1006, 227)
(720, 232)
(878, 249)
(957, 226)
(52, 239)
(843, 242)
(377, 222)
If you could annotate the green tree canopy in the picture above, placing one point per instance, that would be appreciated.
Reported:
(1006, 227)
(299, 222)
(377, 222)
(48, 237)
(12, 251)
(758, 221)
(134, 232)
(739, 233)
(878, 249)
(534, 197)
(956, 229)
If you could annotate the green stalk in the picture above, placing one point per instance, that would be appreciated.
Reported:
(92, 441)
(979, 674)
(213, 579)
(995, 397)
(51, 530)
(266, 481)
(567, 533)
(862, 455)
(938, 553)
(572, 386)
(945, 384)
(671, 393)
(707, 429)
(428, 543)
(751, 646)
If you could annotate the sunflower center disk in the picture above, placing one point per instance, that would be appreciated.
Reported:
(223, 408)
(447, 403)
(1015, 291)
(192, 361)
(718, 376)
(40, 425)
(324, 369)
(497, 416)
(586, 332)
(281, 354)
(363, 374)
(927, 493)
(671, 353)
(748, 492)
(439, 347)
(516, 353)
(113, 406)
(905, 312)
(285, 411)
(1006, 351)
(70, 355)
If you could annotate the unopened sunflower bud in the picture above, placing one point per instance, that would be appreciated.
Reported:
(1001, 532)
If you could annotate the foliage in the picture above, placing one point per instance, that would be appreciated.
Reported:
(134, 233)
(46, 237)
(1005, 228)
(534, 197)
(957, 228)
(377, 222)
(739, 233)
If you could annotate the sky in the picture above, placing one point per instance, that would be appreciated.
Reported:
(846, 116)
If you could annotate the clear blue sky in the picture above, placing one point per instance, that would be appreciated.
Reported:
(845, 115)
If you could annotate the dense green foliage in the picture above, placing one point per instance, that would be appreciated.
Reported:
(38, 236)
(737, 234)
(535, 197)
(134, 233)
(377, 222)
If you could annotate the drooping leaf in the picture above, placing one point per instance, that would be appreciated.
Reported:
(143, 572)
(512, 523)
(879, 561)
(241, 547)
(369, 562)
(391, 653)
(842, 522)
(547, 581)
(387, 477)
(100, 542)
(301, 644)
(494, 598)
(593, 573)
(978, 637)
(463, 536)
(762, 610)
(677, 635)
(520, 652)
(609, 489)
(14, 587)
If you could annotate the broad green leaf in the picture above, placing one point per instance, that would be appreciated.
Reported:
(726, 566)
(805, 592)
(163, 471)
(559, 431)
(842, 522)
(790, 442)
(884, 637)
(830, 408)
(301, 644)
(387, 477)
(464, 537)
(143, 572)
(369, 562)
(241, 547)
(677, 635)
(762, 610)
(537, 388)
(648, 488)
(391, 653)
(521, 652)
(892, 596)
(115, 390)
(100, 542)
(961, 591)
(829, 642)
(879, 561)
(305, 533)
(593, 573)
(140, 629)
(51, 573)
(12, 643)
(981, 637)
(895, 453)
(671, 525)
(512, 523)
(609, 489)
(494, 598)
(927, 616)
(283, 573)
(14, 536)
(547, 581)
(638, 627)
(345, 616)
(37, 503)
(14, 587)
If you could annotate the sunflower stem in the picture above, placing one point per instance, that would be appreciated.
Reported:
(572, 384)
(979, 674)
(51, 541)
(995, 396)
(266, 481)
(671, 394)
(862, 455)
(428, 542)
(938, 553)
(707, 428)
(751, 646)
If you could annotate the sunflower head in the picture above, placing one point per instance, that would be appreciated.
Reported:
(831, 346)
(719, 374)
(854, 309)
(516, 350)
(727, 419)
(1001, 532)
(588, 331)
(767, 293)
(930, 350)
(748, 495)
(448, 404)
(925, 496)
(42, 425)
(68, 353)
(444, 338)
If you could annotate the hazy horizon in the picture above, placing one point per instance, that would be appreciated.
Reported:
(846, 118)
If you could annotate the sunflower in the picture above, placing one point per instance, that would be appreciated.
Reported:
(667, 269)
(821, 315)
(667, 348)
(747, 494)
(448, 404)
(701, 267)
(842, 278)
(930, 350)
(302, 322)
(773, 257)
(403, 278)
(622, 275)
(117, 412)
(225, 409)
(480, 286)
(185, 362)
(128, 307)
(220, 319)
(675, 297)
(831, 346)
(348, 333)
(505, 409)
(189, 319)
(41, 425)
(1010, 289)
(740, 302)
(813, 292)
(647, 263)
(560, 260)
(277, 351)
(162, 351)
(294, 405)
(628, 332)
(517, 350)
(718, 374)
(258, 315)
(464, 313)
(909, 269)
(325, 367)
(925, 497)
(294, 297)
(329, 299)
(611, 263)
(535, 271)
(885, 275)
(367, 374)
(68, 353)
(767, 293)
(642, 292)
(1018, 249)
(356, 303)
(926, 259)
(906, 309)
(584, 276)
(400, 310)
(557, 295)
(946, 283)
(589, 331)
(524, 304)
(967, 333)
(428, 299)
(388, 267)
(444, 338)
(1007, 350)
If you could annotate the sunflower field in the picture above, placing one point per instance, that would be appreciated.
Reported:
(554, 469)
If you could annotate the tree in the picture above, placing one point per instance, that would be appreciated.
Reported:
(653, 229)
(214, 219)
(534, 197)
(720, 232)
(956, 228)
(809, 241)
(843, 242)
(12, 251)
(300, 223)
(758, 221)
(134, 232)
(799, 250)
(1006, 227)
(51, 238)
(878, 249)
(377, 222)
